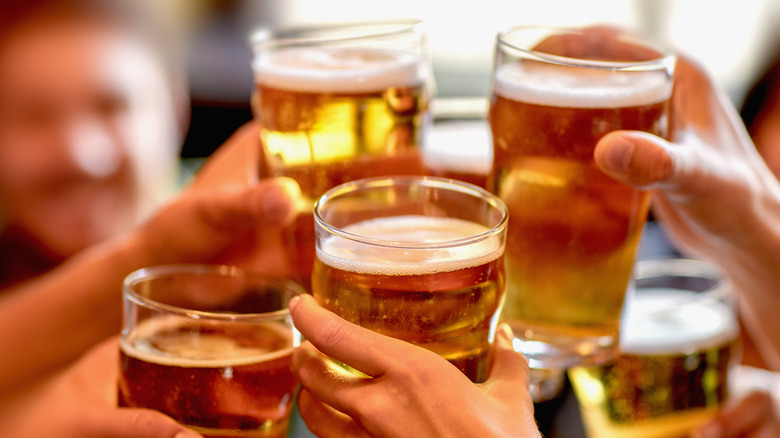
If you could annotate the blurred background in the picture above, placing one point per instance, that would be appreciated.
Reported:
(734, 40)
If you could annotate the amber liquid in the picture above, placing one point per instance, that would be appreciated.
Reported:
(671, 385)
(221, 382)
(573, 231)
(449, 306)
(323, 139)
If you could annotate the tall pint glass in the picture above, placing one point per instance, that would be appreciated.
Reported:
(679, 343)
(339, 103)
(418, 259)
(211, 347)
(573, 231)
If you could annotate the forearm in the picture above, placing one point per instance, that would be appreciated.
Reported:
(49, 322)
(755, 273)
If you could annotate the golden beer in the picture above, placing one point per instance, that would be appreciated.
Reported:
(445, 299)
(211, 347)
(573, 231)
(672, 375)
(229, 380)
(330, 114)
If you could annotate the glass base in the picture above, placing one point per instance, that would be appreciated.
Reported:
(545, 384)
(563, 353)
(270, 429)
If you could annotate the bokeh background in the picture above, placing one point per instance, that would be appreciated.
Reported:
(734, 40)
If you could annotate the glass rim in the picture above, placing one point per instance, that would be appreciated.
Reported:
(428, 181)
(684, 267)
(156, 272)
(665, 62)
(265, 38)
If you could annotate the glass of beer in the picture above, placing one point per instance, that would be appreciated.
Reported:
(679, 343)
(415, 258)
(573, 231)
(211, 347)
(335, 104)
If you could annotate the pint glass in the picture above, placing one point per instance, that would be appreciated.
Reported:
(679, 342)
(418, 259)
(211, 347)
(573, 231)
(337, 104)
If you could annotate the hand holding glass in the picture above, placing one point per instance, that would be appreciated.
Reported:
(211, 347)
(418, 259)
(573, 231)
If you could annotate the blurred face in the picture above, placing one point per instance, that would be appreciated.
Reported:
(87, 133)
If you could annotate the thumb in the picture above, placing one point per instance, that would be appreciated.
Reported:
(635, 158)
(645, 161)
(269, 202)
(136, 423)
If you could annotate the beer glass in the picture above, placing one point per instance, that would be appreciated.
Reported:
(339, 103)
(679, 342)
(211, 347)
(573, 231)
(415, 258)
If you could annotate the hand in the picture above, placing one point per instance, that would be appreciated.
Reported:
(239, 161)
(410, 390)
(712, 192)
(228, 225)
(81, 403)
(250, 227)
(752, 416)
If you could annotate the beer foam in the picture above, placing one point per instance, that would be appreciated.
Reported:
(209, 351)
(570, 88)
(459, 147)
(340, 70)
(671, 321)
(347, 255)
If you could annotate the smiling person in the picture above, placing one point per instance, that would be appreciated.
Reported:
(91, 116)
(90, 129)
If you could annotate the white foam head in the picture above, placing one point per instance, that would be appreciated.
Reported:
(461, 147)
(207, 351)
(339, 70)
(347, 255)
(580, 88)
(669, 321)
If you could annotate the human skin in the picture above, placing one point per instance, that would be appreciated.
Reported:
(88, 132)
(408, 389)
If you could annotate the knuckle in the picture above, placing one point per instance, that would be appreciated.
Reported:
(332, 334)
(373, 406)
(308, 372)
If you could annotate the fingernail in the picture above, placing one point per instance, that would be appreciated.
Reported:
(505, 332)
(710, 430)
(618, 155)
(294, 302)
(188, 434)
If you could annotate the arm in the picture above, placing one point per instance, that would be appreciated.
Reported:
(50, 321)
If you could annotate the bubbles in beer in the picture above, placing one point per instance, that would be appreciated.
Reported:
(677, 349)
(337, 70)
(412, 259)
(436, 282)
(554, 86)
